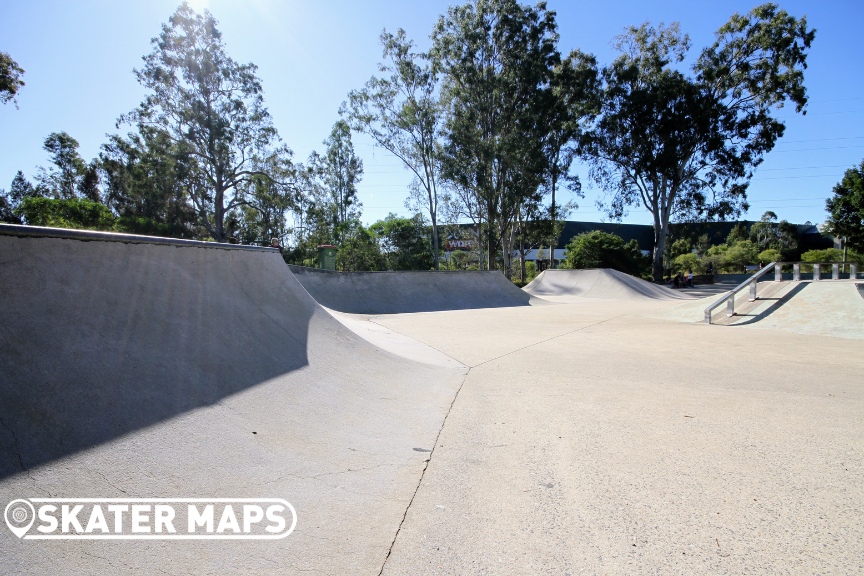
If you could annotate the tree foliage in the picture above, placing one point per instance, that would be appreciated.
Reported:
(212, 110)
(684, 147)
(780, 237)
(404, 243)
(603, 250)
(401, 111)
(10, 79)
(64, 180)
(359, 250)
(66, 213)
(497, 58)
(846, 208)
(20, 189)
(144, 179)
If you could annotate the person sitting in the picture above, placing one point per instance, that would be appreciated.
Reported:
(688, 280)
(676, 281)
(274, 243)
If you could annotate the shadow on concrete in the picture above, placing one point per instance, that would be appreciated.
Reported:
(101, 337)
(776, 305)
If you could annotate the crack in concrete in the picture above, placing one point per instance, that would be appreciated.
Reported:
(548, 340)
(15, 447)
(17, 450)
(422, 474)
(111, 483)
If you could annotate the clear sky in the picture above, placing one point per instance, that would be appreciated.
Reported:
(78, 59)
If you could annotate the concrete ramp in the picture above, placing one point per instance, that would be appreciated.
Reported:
(401, 292)
(824, 308)
(134, 367)
(600, 283)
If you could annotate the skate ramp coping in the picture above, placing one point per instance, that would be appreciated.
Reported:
(411, 291)
(598, 283)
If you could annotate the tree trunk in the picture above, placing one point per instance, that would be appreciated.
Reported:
(435, 240)
(553, 238)
(661, 229)
(479, 229)
(522, 269)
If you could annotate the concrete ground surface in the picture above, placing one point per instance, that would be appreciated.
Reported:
(604, 435)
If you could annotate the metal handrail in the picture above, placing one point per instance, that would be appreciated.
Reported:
(729, 297)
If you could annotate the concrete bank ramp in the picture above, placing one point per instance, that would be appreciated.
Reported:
(598, 283)
(134, 367)
(824, 308)
(402, 292)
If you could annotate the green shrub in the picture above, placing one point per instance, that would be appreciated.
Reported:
(688, 263)
(530, 271)
(598, 249)
(740, 254)
(770, 255)
(73, 213)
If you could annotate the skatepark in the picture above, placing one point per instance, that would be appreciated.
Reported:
(428, 422)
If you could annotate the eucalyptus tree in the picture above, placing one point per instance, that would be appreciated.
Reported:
(402, 113)
(846, 208)
(64, 179)
(497, 60)
(144, 179)
(10, 79)
(574, 99)
(685, 146)
(212, 109)
(338, 171)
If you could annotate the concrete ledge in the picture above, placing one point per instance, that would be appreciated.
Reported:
(97, 236)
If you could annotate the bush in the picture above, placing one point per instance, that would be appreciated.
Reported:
(688, 263)
(602, 250)
(73, 213)
(530, 271)
(770, 255)
(740, 254)
(826, 255)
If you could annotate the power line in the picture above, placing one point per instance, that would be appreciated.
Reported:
(822, 139)
(823, 148)
(839, 99)
(803, 168)
(796, 177)
(782, 200)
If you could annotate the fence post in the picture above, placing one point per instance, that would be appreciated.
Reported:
(730, 306)
(835, 271)
(796, 272)
(853, 271)
(753, 291)
(778, 271)
(817, 272)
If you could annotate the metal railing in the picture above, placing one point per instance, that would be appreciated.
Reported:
(729, 297)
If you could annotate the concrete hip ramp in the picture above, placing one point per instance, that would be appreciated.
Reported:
(598, 283)
(134, 367)
(414, 291)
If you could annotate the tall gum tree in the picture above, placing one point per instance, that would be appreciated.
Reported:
(212, 108)
(846, 209)
(401, 111)
(497, 60)
(685, 146)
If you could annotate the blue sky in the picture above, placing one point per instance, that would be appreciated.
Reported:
(78, 57)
